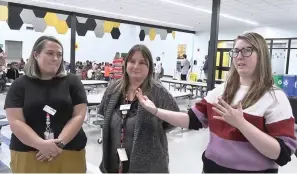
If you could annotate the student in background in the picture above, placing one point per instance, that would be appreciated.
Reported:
(185, 65)
(158, 68)
(12, 73)
(22, 64)
(84, 73)
(90, 74)
(107, 70)
(118, 66)
(250, 121)
(162, 72)
(205, 67)
(2, 79)
(2, 57)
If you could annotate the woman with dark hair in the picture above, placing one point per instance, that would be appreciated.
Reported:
(134, 141)
(46, 109)
(250, 121)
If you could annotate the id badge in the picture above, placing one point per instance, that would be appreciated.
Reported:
(125, 107)
(122, 154)
(48, 135)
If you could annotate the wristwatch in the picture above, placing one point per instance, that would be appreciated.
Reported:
(61, 145)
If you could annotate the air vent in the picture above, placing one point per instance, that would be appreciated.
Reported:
(29, 28)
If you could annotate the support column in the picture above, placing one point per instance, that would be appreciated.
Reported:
(288, 56)
(213, 43)
(72, 43)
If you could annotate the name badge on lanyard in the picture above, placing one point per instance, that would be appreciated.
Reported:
(49, 110)
(49, 134)
(122, 154)
(125, 108)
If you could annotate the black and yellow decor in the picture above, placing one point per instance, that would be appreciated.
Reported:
(153, 32)
(16, 16)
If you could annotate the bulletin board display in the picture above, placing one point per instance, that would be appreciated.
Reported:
(181, 49)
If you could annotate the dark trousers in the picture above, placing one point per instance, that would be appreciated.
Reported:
(183, 77)
(2, 85)
(107, 79)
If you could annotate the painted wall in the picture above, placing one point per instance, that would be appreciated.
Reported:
(103, 49)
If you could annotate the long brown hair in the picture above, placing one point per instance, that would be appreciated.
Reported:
(147, 84)
(263, 80)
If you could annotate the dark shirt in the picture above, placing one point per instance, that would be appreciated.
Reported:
(61, 94)
(115, 132)
(12, 73)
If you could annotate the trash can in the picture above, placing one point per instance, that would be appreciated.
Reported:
(289, 85)
(278, 80)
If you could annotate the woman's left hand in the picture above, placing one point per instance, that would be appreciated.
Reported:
(41, 157)
(232, 116)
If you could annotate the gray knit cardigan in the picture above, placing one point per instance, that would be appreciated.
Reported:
(150, 147)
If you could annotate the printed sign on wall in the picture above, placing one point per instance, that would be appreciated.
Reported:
(181, 49)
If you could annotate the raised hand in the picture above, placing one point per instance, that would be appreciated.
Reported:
(145, 102)
(232, 116)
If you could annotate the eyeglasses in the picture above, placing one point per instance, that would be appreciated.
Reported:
(245, 52)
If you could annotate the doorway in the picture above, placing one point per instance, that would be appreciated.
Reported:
(223, 63)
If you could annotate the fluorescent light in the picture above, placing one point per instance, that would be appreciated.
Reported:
(110, 13)
(187, 6)
(208, 11)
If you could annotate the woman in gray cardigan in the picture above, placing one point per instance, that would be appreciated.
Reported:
(134, 140)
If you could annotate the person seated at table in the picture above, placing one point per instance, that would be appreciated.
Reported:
(46, 109)
(250, 120)
(2, 79)
(12, 73)
(107, 70)
(117, 69)
(141, 135)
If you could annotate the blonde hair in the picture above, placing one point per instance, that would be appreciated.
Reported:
(147, 84)
(32, 69)
(263, 80)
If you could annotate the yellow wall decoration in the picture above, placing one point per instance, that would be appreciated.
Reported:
(51, 19)
(61, 27)
(116, 24)
(173, 34)
(3, 13)
(152, 34)
(108, 25)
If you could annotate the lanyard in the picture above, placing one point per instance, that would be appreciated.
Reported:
(48, 123)
(123, 127)
(48, 116)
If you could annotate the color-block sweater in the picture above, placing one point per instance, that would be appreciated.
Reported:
(228, 150)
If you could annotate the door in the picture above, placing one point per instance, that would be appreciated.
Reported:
(223, 63)
(14, 50)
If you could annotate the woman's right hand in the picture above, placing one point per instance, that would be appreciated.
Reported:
(49, 148)
(146, 102)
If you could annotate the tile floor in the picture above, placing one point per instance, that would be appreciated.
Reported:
(185, 148)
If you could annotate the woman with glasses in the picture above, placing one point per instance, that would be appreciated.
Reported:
(250, 120)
